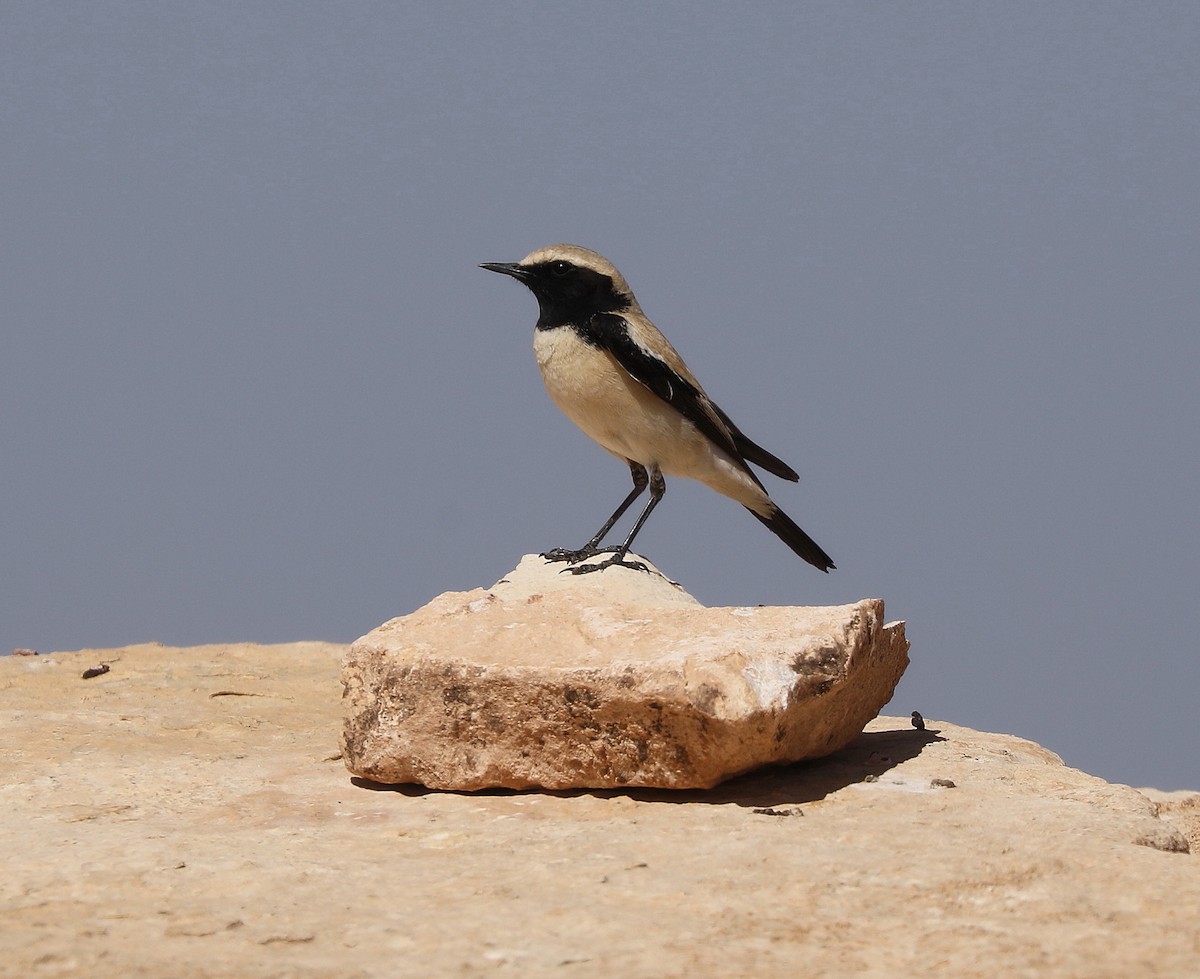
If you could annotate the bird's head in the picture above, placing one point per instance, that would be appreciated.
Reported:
(571, 283)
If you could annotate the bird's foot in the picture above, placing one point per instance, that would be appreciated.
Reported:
(574, 556)
(617, 559)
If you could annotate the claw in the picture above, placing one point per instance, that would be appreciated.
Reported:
(614, 560)
(574, 557)
(565, 554)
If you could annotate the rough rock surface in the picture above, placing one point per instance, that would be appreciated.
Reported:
(186, 814)
(1182, 810)
(604, 680)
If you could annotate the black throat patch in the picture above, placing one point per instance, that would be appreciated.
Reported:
(571, 297)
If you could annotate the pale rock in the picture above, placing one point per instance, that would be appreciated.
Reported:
(1180, 809)
(618, 678)
(187, 814)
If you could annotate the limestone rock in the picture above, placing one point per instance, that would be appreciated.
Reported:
(186, 814)
(1180, 809)
(605, 680)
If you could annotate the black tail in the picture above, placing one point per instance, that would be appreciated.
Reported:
(785, 528)
(753, 452)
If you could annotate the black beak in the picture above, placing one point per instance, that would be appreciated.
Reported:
(507, 268)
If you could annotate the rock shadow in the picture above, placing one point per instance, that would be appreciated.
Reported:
(867, 757)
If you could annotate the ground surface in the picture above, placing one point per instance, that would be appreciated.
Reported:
(185, 814)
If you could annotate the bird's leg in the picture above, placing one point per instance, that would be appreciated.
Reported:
(658, 486)
(592, 547)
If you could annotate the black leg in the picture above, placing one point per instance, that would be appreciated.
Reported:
(658, 487)
(592, 547)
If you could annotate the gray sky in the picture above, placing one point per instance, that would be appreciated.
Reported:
(943, 258)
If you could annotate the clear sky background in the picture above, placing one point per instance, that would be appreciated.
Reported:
(941, 257)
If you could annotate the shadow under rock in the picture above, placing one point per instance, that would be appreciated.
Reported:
(869, 755)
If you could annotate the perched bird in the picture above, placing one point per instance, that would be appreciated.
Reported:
(918, 721)
(616, 377)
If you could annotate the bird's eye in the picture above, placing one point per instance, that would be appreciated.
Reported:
(560, 268)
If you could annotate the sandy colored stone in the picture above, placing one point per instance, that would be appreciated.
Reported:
(605, 680)
(1180, 810)
(186, 814)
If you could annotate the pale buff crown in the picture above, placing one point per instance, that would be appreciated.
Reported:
(584, 258)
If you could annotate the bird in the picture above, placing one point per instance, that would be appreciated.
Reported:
(918, 721)
(610, 370)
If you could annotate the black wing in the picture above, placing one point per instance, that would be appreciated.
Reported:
(753, 452)
(610, 331)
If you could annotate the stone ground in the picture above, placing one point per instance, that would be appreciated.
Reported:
(186, 814)
(560, 681)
